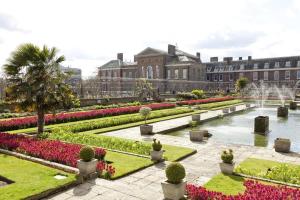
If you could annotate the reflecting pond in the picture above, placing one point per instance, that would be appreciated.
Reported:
(238, 128)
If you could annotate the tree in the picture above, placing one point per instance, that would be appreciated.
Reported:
(241, 84)
(36, 81)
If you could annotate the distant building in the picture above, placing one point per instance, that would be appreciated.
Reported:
(75, 80)
(169, 71)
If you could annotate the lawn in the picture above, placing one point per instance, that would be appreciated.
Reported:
(219, 105)
(29, 178)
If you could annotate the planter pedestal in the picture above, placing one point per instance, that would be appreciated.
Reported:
(87, 168)
(196, 117)
(293, 105)
(173, 191)
(226, 168)
(282, 145)
(197, 135)
(282, 111)
(146, 129)
(261, 125)
(156, 155)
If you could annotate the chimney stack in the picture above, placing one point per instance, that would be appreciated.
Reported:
(214, 59)
(171, 49)
(120, 56)
(227, 59)
(249, 57)
(198, 56)
(240, 58)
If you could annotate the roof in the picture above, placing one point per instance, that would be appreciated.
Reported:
(151, 51)
(117, 64)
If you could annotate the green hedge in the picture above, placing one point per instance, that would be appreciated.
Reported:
(218, 104)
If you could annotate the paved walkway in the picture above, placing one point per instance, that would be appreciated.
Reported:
(145, 184)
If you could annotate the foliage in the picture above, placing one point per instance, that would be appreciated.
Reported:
(199, 93)
(144, 89)
(175, 173)
(156, 145)
(254, 191)
(105, 170)
(87, 153)
(219, 104)
(186, 96)
(145, 112)
(203, 101)
(193, 123)
(36, 81)
(98, 107)
(26, 122)
(241, 84)
(227, 156)
(100, 153)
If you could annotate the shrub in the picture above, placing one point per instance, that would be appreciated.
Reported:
(87, 153)
(227, 156)
(193, 123)
(175, 173)
(145, 112)
(186, 96)
(199, 93)
(156, 145)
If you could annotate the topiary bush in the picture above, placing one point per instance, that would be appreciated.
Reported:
(145, 113)
(156, 145)
(175, 173)
(87, 153)
(199, 93)
(227, 156)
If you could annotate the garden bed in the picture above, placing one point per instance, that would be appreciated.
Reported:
(219, 105)
(204, 101)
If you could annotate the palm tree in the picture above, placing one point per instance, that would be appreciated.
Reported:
(36, 82)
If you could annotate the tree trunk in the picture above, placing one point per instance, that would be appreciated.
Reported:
(40, 120)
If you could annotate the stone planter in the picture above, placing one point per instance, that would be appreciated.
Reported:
(248, 105)
(173, 191)
(232, 109)
(197, 135)
(293, 105)
(146, 129)
(261, 124)
(156, 155)
(282, 111)
(282, 145)
(196, 117)
(225, 110)
(87, 168)
(226, 168)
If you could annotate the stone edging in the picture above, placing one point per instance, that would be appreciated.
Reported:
(267, 180)
(41, 161)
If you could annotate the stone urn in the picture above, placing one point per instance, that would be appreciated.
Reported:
(282, 145)
(196, 117)
(232, 109)
(197, 135)
(261, 124)
(225, 110)
(146, 129)
(293, 105)
(87, 168)
(156, 155)
(282, 111)
(173, 191)
(226, 168)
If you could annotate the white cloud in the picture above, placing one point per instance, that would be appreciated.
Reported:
(90, 33)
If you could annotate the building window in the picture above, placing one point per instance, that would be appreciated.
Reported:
(168, 74)
(157, 71)
(143, 71)
(221, 77)
(115, 74)
(276, 75)
(176, 73)
(255, 66)
(277, 65)
(130, 74)
(242, 67)
(207, 77)
(288, 63)
(255, 76)
(266, 76)
(266, 66)
(287, 74)
(124, 74)
(216, 69)
(230, 77)
(109, 74)
(298, 63)
(184, 73)
(216, 77)
(298, 74)
(230, 68)
(221, 68)
(208, 69)
(149, 72)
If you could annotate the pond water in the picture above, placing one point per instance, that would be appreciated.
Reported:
(239, 128)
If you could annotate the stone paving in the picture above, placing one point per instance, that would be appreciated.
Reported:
(145, 184)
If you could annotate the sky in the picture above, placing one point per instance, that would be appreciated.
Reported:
(90, 33)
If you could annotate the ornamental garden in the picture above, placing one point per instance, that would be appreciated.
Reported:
(49, 144)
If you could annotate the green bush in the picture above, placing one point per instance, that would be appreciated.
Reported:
(156, 145)
(87, 153)
(227, 156)
(218, 104)
(175, 173)
(199, 93)
(186, 96)
(145, 112)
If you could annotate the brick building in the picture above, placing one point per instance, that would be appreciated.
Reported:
(168, 71)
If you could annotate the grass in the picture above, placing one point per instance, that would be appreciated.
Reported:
(219, 105)
(30, 178)
(175, 153)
